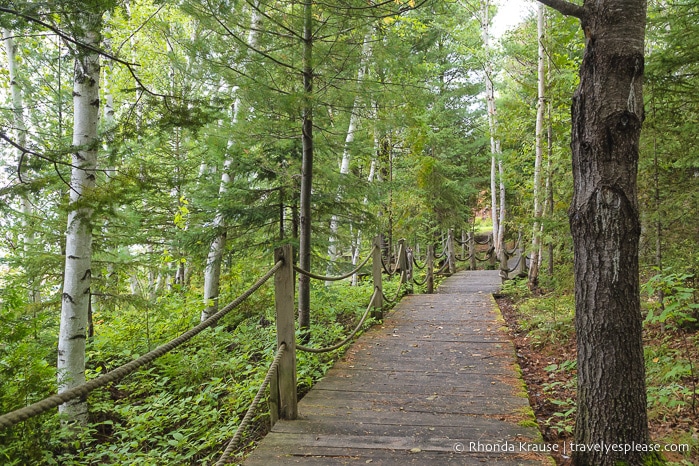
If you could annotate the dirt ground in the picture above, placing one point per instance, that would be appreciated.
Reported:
(548, 397)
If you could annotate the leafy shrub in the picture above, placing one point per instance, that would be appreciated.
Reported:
(678, 306)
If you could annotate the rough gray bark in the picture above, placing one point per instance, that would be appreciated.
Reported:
(306, 170)
(607, 114)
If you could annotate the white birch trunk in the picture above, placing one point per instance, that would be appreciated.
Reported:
(21, 138)
(496, 153)
(536, 236)
(346, 155)
(78, 259)
(212, 271)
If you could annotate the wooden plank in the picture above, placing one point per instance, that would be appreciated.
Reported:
(280, 454)
(439, 371)
(333, 457)
(411, 425)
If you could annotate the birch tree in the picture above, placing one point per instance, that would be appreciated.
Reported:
(498, 210)
(212, 272)
(346, 154)
(540, 109)
(20, 128)
(78, 251)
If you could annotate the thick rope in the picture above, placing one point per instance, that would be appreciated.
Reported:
(19, 415)
(516, 246)
(487, 241)
(418, 266)
(253, 406)
(334, 279)
(395, 268)
(465, 259)
(488, 255)
(402, 280)
(420, 283)
(514, 267)
(444, 267)
(441, 254)
(349, 337)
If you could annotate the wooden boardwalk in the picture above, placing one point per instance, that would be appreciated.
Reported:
(435, 382)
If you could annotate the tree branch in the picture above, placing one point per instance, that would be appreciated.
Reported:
(65, 36)
(565, 7)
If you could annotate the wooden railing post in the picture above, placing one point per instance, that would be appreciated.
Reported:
(286, 402)
(405, 264)
(491, 246)
(504, 266)
(464, 236)
(430, 269)
(472, 250)
(377, 272)
(402, 258)
(522, 266)
(451, 254)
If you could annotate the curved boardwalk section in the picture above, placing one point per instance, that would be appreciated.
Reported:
(436, 384)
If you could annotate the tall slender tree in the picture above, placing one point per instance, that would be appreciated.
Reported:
(212, 272)
(346, 151)
(497, 205)
(304, 287)
(20, 127)
(540, 110)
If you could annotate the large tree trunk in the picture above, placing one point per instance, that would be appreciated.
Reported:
(78, 259)
(607, 113)
(538, 211)
(306, 170)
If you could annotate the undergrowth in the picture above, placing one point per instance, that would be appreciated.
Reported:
(545, 325)
(182, 408)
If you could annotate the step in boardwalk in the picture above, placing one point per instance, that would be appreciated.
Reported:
(434, 384)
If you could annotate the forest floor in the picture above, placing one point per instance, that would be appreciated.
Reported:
(549, 371)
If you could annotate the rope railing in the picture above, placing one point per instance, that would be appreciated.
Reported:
(515, 247)
(421, 282)
(464, 259)
(396, 267)
(333, 278)
(251, 409)
(281, 375)
(441, 270)
(441, 254)
(482, 243)
(40, 407)
(488, 255)
(349, 337)
(400, 284)
(514, 267)
(416, 264)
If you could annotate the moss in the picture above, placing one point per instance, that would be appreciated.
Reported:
(651, 459)
(654, 459)
(528, 423)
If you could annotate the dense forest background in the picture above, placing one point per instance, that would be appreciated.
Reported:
(198, 172)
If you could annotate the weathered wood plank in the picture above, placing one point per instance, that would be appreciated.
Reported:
(439, 372)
